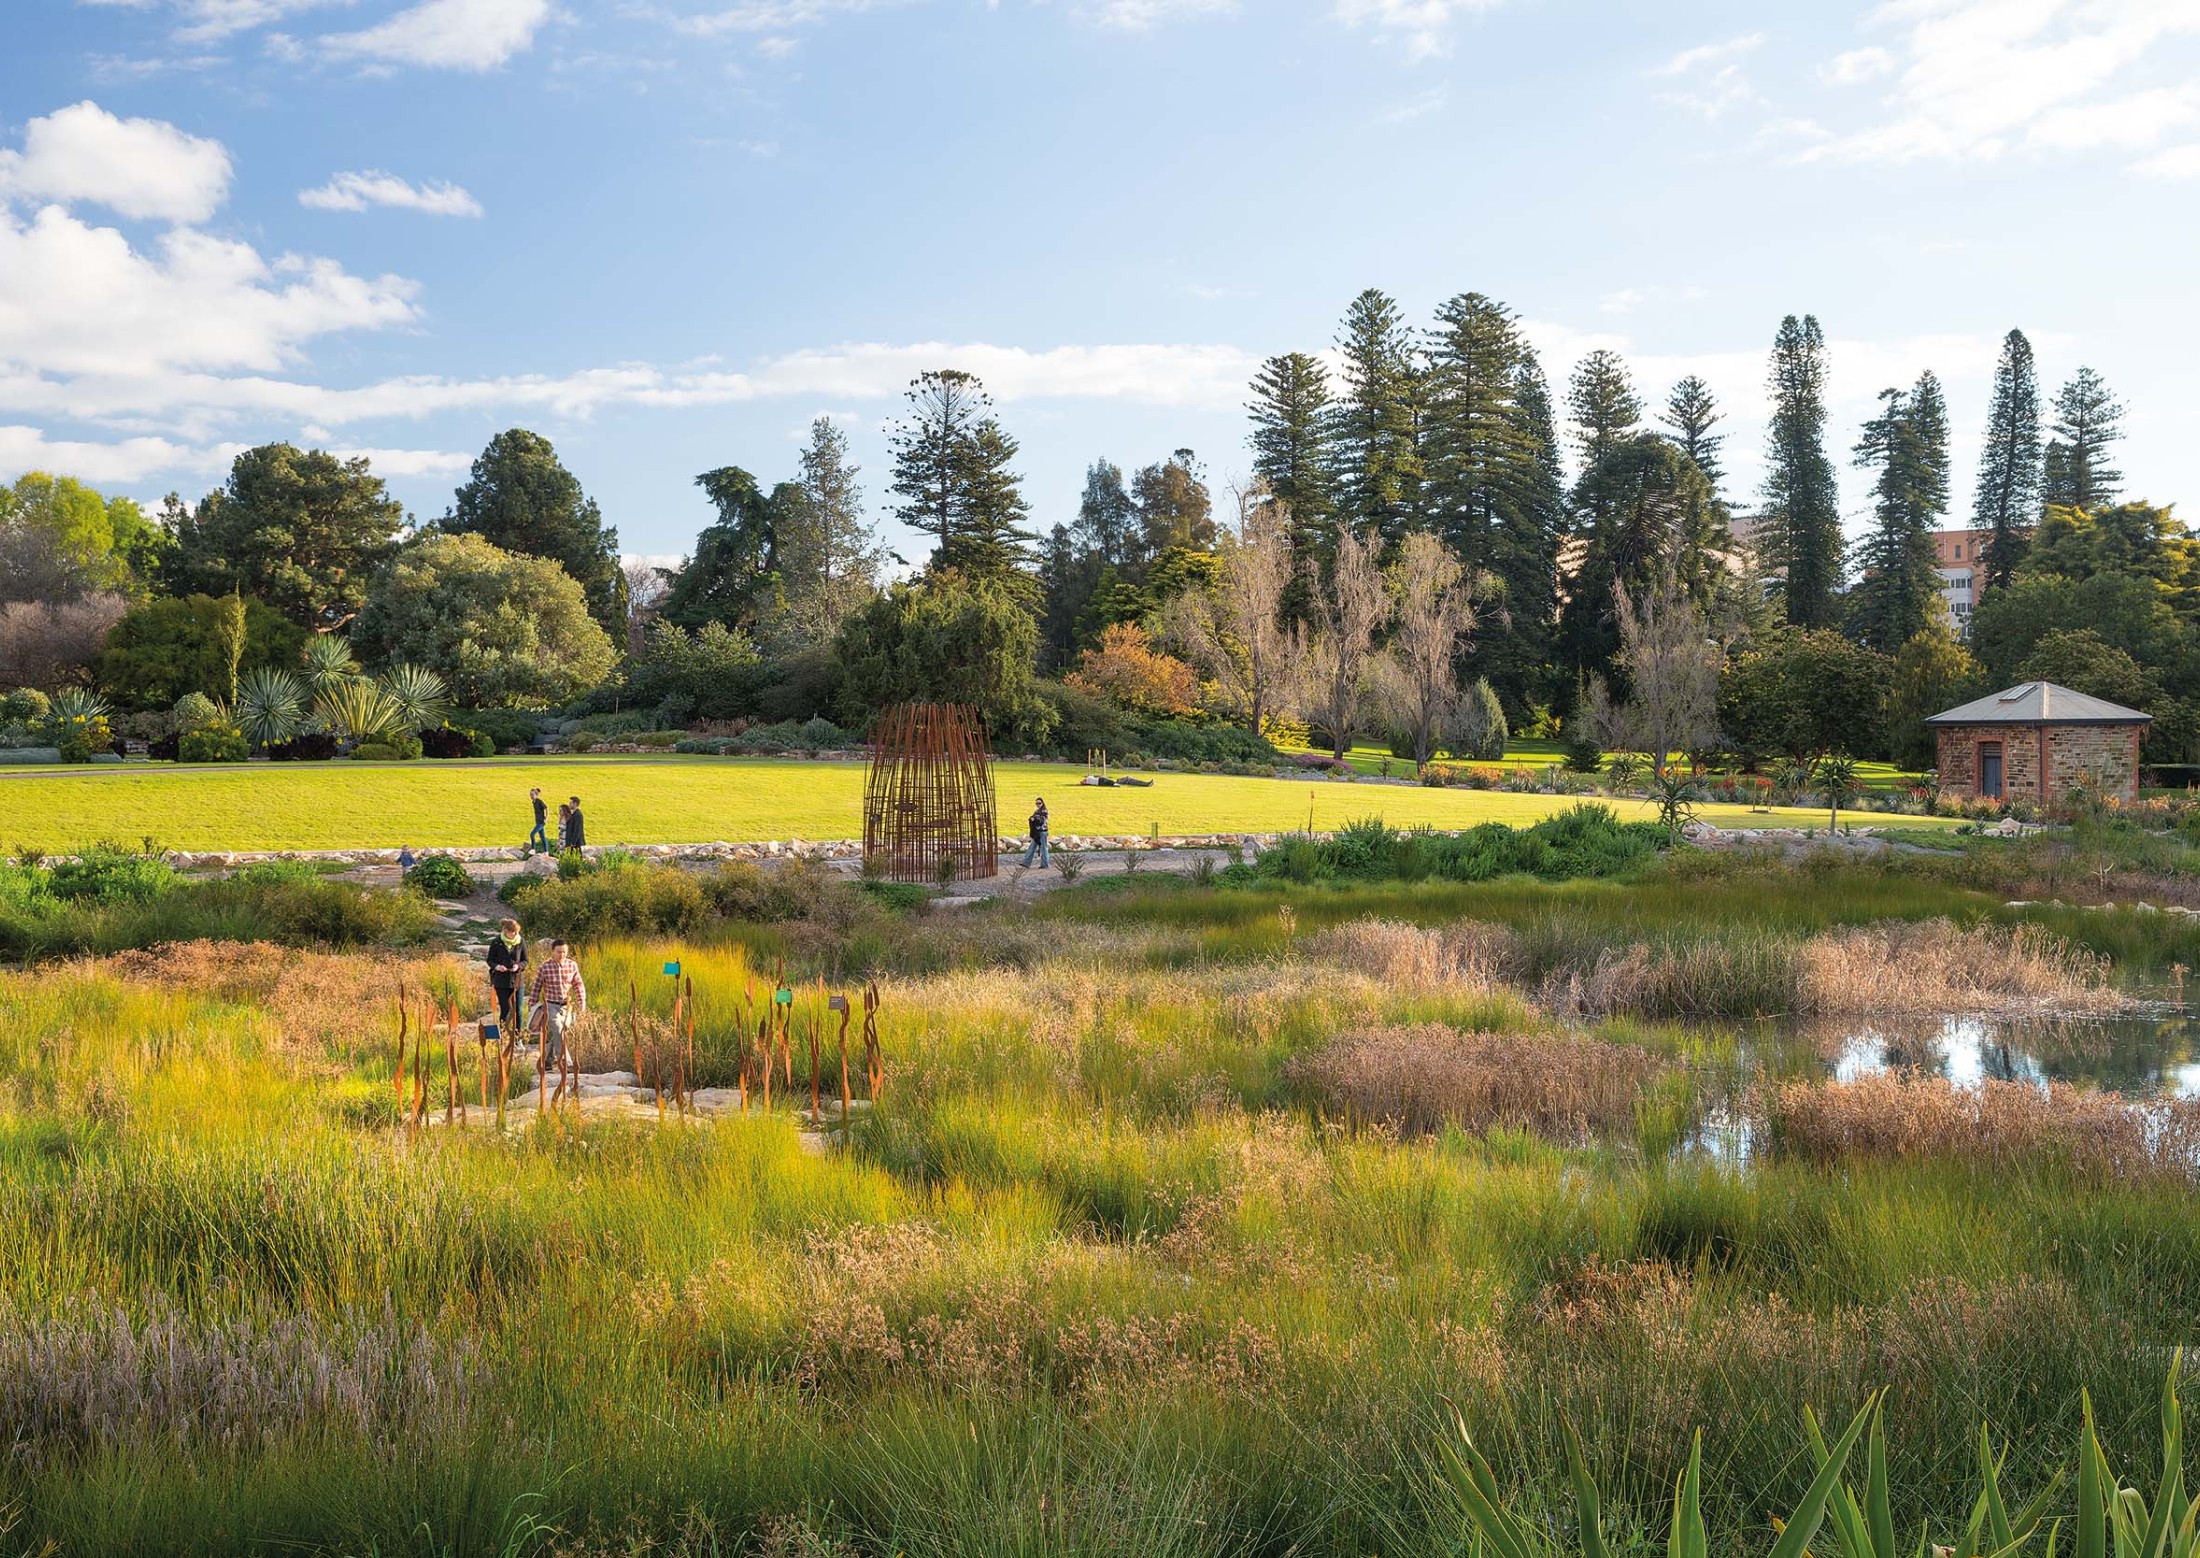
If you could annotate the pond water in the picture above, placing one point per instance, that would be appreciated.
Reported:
(2147, 1054)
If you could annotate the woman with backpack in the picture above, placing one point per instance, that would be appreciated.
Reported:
(1038, 825)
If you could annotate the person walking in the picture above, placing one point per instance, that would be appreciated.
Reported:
(535, 840)
(565, 827)
(576, 829)
(1038, 826)
(507, 959)
(562, 997)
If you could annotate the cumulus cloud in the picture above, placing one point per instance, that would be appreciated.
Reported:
(2178, 162)
(127, 460)
(359, 191)
(1979, 77)
(78, 300)
(140, 168)
(446, 34)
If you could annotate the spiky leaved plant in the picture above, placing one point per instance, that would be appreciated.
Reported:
(359, 710)
(328, 662)
(419, 695)
(270, 705)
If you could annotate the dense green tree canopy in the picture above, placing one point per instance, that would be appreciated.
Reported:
(1804, 693)
(2008, 492)
(951, 639)
(300, 529)
(503, 629)
(59, 539)
(1907, 444)
(734, 569)
(520, 498)
(1802, 538)
(174, 645)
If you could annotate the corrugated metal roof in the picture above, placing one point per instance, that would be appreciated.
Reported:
(2040, 703)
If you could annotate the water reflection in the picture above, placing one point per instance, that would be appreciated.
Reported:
(2145, 1055)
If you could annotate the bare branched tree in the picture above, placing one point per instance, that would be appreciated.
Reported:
(1432, 599)
(1234, 633)
(1350, 608)
(50, 645)
(647, 585)
(1672, 702)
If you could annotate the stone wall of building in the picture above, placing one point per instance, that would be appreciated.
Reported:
(2109, 754)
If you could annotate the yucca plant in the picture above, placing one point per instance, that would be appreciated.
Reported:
(270, 705)
(359, 710)
(328, 661)
(76, 703)
(418, 694)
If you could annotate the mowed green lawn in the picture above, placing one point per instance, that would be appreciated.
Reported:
(670, 800)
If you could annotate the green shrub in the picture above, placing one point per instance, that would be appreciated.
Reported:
(24, 706)
(440, 876)
(375, 752)
(108, 872)
(1587, 840)
(503, 727)
(195, 710)
(267, 872)
(218, 741)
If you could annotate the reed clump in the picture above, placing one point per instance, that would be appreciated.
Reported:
(1938, 966)
(1426, 1077)
(1895, 1116)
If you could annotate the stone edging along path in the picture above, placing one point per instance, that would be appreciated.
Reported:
(1701, 834)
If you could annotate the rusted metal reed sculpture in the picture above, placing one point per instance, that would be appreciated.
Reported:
(928, 811)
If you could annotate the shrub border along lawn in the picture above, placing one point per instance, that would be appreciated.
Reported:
(650, 799)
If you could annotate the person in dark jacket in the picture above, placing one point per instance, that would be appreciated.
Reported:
(576, 832)
(537, 839)
(1038, 827)
(507, 959)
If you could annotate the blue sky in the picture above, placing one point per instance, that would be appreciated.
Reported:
(668, 233)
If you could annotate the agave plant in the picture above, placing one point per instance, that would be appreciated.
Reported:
(328, 661)
(418, 694)
(360, 710)
(270, 705)
(76, 703)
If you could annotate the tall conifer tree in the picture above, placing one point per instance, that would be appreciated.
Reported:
(951, 473)
(1908, 444)
(1602, 403)
(1378, 422)
(1293, 447)
(1476, 450)
(1802, 533)
(1691, 412)
(2088, 418)
(2008, 496)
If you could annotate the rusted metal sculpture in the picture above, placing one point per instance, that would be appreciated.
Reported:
(928, 811)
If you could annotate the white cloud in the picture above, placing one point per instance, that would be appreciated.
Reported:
(2132, 123)
(210, 21)
(1979, 76)
(1622, 301)
(1423, 24)
(773, 17)
(358, 191)
(81, 302)
(411, 462)
(140, 168)
(2179, 162)
(446, 34)
(132, 459)
(1704, 54)
(1857, 65)
(1138, 15)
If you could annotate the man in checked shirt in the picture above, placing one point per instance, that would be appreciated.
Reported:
(561, 997)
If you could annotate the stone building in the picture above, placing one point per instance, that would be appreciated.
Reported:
(2037, 742)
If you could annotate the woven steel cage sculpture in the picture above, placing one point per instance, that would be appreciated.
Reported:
(928, 804)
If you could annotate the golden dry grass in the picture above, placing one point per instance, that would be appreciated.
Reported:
(1427, 1076)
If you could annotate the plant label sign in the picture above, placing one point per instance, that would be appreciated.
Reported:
(672, 970)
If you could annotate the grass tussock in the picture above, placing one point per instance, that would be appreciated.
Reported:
(1427, 1077)
(2000, 1126)
(1938, 966)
